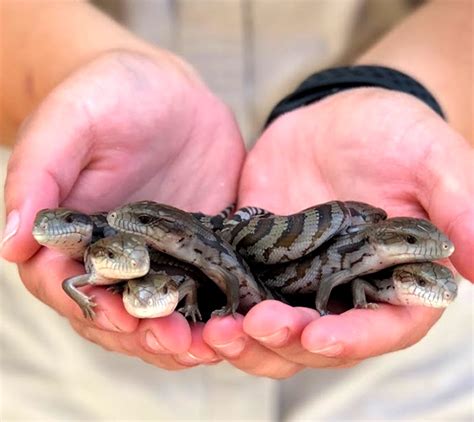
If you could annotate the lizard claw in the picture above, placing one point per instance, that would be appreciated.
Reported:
(191, 311)
(87, 305)
(226, 310)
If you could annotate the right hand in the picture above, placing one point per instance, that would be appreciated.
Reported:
(124, 127)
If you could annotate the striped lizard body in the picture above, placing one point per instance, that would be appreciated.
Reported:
(390, 242)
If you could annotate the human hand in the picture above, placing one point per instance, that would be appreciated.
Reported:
(372, 145)
(123, 128)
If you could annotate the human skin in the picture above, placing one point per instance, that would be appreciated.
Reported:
(103, 106)
(148, 139)
(132, 122)
(382, 147)
(369, 144)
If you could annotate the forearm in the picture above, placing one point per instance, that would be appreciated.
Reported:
(44, 41)
(434, 45)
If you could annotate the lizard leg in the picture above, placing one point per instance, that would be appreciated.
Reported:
(85, 302)
(229, 284)
(188, 290)
(325, 287)
(361, 288)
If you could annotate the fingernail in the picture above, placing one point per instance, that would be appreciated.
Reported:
(278, 338)
(231, 349)
(187, 359)
(11, 227)
(103, 321)
(153, 344)
(331, 350)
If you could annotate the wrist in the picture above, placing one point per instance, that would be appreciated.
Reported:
(432, 46)
(332, 81)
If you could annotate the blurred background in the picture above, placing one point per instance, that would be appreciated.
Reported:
(250, 53)
(253, 52)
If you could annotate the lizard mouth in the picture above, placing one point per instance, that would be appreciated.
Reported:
(51, 237)
(40, 235)
(426, 254)
(439, 299)
(163, 305)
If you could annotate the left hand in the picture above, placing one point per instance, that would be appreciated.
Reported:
(373, 145)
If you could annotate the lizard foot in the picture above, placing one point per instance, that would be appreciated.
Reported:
(87, 305)
(191, 311)
(226, 310)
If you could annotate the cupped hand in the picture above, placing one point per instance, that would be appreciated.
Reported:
(124, 127)
(373, 145)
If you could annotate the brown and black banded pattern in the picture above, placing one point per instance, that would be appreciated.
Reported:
(363, 244)
(214, 222)
(277, 239)
(393, 241)
(363, 213)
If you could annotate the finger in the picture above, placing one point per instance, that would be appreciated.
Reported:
(42, 169)
(278, 327)
(200, 351)
(362, 333)
(170, 334)
(154, 341)
(126, 344)
(265, 176)
(43, 276)
(447, 193)
(226, 337)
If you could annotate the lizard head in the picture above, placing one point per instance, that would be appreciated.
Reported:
(426, 284)
(161, 222)
(154, 295)
(407, 239)
(68, 230)
(118, 257)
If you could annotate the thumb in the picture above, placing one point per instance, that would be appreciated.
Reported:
(42, 169)
(448, 194)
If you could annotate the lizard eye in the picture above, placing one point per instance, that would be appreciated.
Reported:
(144, 219)
(421, 283)
(110, 254)
(69, 219)
(411, 239)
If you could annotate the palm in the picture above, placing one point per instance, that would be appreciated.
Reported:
(371, 145)
(382, 148)
(155, 135)
(124, 129)
(121, 129)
